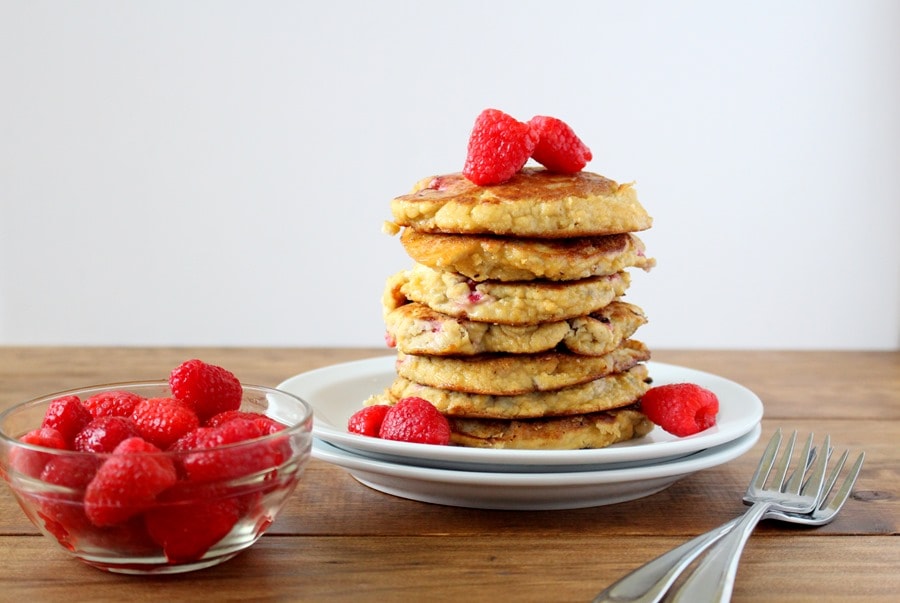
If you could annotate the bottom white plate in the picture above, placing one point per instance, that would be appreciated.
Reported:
(527, 491)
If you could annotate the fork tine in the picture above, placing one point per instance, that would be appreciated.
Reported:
(813, 485)
(840, 497)
(781, 467)
(832, 478)
(794, 484)
(758, 481)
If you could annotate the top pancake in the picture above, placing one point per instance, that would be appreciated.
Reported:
(533, 203)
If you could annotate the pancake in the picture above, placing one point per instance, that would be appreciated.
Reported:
(415, 328)
(511, 374)
(594, 430)
(511, 303)
(484, 257)
(604, 393)
(533, 203)
(603, 330)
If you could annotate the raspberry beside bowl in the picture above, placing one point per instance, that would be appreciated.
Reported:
(160, 512)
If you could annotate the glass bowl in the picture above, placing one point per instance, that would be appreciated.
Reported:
(200, 519)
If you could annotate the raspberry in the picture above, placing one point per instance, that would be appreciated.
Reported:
(266, 425)
(558, 148)
(161, 421)
(74, 471)
(46, 437)
(367, 421)
(127, 483)
(214, 460)
(112, 404)
(68, 416)
(31, 462)
(499, 146)
(682, 409)
(415, 420)
(62, 512)
(104, 434)
(207, 388)
(186, 531)
(192, 440)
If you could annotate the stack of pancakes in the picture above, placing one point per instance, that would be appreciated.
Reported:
(511, 320)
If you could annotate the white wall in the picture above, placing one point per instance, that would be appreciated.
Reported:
(218, 172)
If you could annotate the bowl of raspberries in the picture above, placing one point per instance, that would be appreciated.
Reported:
(156, 477)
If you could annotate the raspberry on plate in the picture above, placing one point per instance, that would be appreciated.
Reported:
(367, 421)
(415, 420)
(499, 146)
(681, 409)
(558, 148)
(207, 388)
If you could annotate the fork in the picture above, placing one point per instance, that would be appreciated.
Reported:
(650, 582)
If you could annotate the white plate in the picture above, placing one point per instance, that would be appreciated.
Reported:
(336, 392)
(527, 491)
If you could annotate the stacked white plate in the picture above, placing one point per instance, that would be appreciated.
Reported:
(519, 479)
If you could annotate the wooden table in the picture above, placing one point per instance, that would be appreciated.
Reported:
(338, 540)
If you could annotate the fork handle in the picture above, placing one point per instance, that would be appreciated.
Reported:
(713, 580)
(649, 583)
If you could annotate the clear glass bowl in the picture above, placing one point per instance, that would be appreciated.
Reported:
(190, 525)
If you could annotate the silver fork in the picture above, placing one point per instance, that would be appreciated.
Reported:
(650, 582)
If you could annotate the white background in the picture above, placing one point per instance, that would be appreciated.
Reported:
(216, 173)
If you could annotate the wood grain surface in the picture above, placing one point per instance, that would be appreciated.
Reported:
(340, 541)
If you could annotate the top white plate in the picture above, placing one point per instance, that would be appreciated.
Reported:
(336, 392)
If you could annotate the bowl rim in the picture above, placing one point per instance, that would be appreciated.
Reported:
(301, 425)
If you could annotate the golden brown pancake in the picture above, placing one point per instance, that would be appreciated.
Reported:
(533, 203)
(603, 330)
(604, 393)
(594, 430)
(511, 303)
(511, 374)
(415, 328)
(488, 257)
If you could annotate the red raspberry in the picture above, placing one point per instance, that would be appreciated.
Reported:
(161, 421)
(682, 409)
(415, 420)
(207, 388)
(192, 440)
(558, 148)
(266, 424)
(186, 531)
(128, 482)
(31, 462)
(104, 434)
(63, 512)
(499, 146)
(68, 416)
(46, 437)
(367, 421)
(72, 471)
(112, 404)
(214, 460)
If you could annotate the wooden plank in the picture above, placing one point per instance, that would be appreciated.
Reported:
(475, 568)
